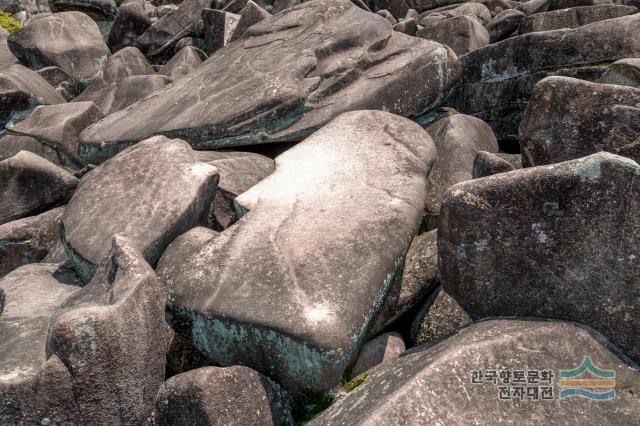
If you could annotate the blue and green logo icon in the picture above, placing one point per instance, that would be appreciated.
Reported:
(588, 381)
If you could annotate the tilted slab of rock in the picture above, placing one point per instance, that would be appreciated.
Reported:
(22, 89)
(29, 296)
(438, 317)
(64, 84)
(559, 241)
(10, 145)
(462, 33)
(68, 40)
(568, 119)
(99, 10)
(573, 18)
(58, 126)
(183, 62)
(433, 385)
(150, 193)
(625, 72)
(286, 77)
(292, 287)
(497, 80)
(28, 240)
(30, 184)
(487, 164)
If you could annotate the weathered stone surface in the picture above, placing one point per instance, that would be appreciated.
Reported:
(6, 57)
(497, 80)
(127, 62)
(29, 296)
(462, 33)
(408, 26)
(419, 277)
(471, 9)
(249, 15)
(532, 7)
(284, 281)
(10, 145)
(132, 89)
(182, 248)
(487, 164)
(434, 384)
(132, 20)
(30, 184)
(58, 126)
(99, 10)
(64, 84)
(507, 245)
(379, 351)
(283, 81)
(458, 138)
(219, 27)
(28, 240)
(68, 40)
(625, 72)
(568, 118)
(166, 31)
(438, 317)
(222, 396)
(150, 193)
(184, 62)
(574, 17)
(504, 24)
(22, 89)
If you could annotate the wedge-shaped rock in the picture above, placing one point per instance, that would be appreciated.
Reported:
(29, 184)
(183, 62)
(68, 40)
(58, 126)
(568, 118)
(10, 145)
(560, 241)
(150, 193)
(292, 287)
(29, 297)
(28, 240)
(435, 383)
(22, 89)
(497, 80)
(288, 75)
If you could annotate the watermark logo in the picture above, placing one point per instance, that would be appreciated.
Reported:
(588, 381)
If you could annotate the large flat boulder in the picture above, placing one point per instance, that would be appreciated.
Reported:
(455, 381)
(497, 80)
(573, 17)
(558, 241)
(569, 118)
(285, 78)
(149, 193)
(291, 289)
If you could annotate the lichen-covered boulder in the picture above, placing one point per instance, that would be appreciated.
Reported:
(283, 291)
(149, 193)
(285, 78)
(438, 317)
(559, 241)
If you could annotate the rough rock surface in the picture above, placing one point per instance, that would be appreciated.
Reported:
(149, 193)
(184, 62)
(10, 145)
(439, 316)
(379, 351)
(462, 33)
(30, 184)
(587, 117)
(279, 83)
(99, 10)
(573, 17)
(132, 20)
(487, 164)
(625, 72)
(222, 396)
(284, 277)
(435, 382)
(529, 220)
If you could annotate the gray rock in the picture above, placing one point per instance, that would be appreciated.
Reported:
(408, 26)
(625, 72)
(166, 31)
(149, 193)
(132, 89)
(29, 297)
(497, 80)
(249, 15)
(184, 62)
(16, 6)
(388, 16)
(532, 7)
(132, 20)
(434, 385)
(508, 245)
(29, 184)
(574, 17)
(6, 57)
(504, 24)
(58, 127)
(64, 84)
(379, 351)
(462, 33)
(458, 138)
(284, 281)
(235, 6)
(219, 27)
(569, 118)
(198, 43)
(438, 317)
(21, 90)
(221, 396)
(99, 10)
(419, 278)
(76, 46)
(295, 90)
(28, 240)
(10, 145)
(472, 9)
(487, 164)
